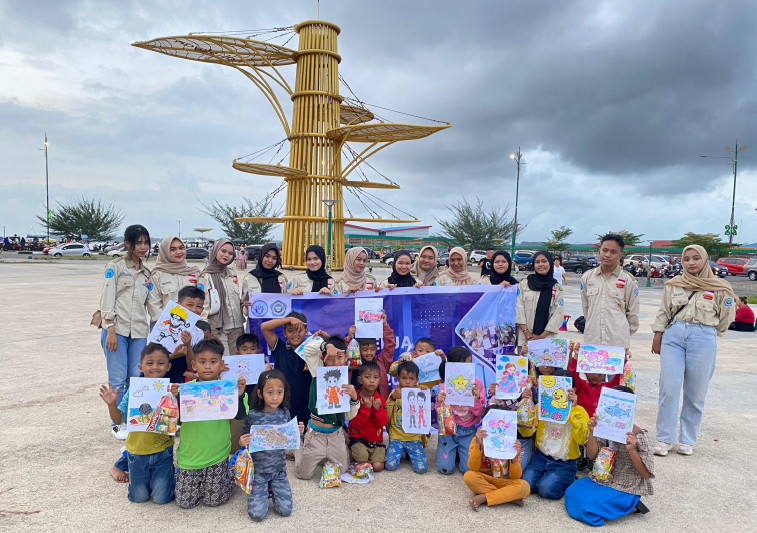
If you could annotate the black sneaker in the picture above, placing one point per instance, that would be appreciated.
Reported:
(641, 508)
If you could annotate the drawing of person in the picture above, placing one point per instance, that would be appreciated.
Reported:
(333, 389)
(412, 408)
(510, 384)
(176, 323)
(421, 409)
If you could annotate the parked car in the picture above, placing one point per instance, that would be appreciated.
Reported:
(579, 264)
(719, 271)
(197, 253)
(750, 269)
(372, 254)
(657, 260)
(524, 259)
(477, 255)
(442, 259)
(112, 247)
(72, 249)
(734, 265)
(253, 252)
(118, 251)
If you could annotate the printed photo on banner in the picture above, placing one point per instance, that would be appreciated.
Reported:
(501, 433)
(330, 396)
(428, 366)
(549, 352)
(512, 376)
(208, 400)
(459, 380)
(144, 399)
(368, 321)
(268, 305)
(249, 366)
(615, 415)
(416, 411)
(554, 405)
(489, 327)
(600, 359)
(274, 437)
(173, 320)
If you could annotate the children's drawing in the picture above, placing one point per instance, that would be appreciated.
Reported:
(275, 437)
(249, 366)
(368, 321)
(549, 352)
(300, 350)
(459, 380)
(615, 415)
(501, 433)
(172, 321)
(553, 398)
(600, 359)
(144, 400)
(512, 376)
(416, 411)
(330, 396)
(428, 365)
(208, 400)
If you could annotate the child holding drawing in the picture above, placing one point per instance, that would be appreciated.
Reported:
(367, 428)
(594, 502)
(269, 406)
(450, 447)
(399, 441)
(368, 349)
(423, 346)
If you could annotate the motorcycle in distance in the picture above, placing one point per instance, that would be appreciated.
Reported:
(675, 270)
(658, 272)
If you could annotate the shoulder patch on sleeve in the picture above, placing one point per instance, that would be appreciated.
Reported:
(636, 291)
(728, 302)
(560, 301)
(201, 286)
(149, 286)
(581, 287)
(109, 273)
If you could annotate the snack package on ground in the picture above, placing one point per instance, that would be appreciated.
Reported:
(628, 377)
(166, 415)
(358, 473)
(526, 414)
(445, 420)
(498, 468)
(601, 473)
(244, 470)
(330, 475)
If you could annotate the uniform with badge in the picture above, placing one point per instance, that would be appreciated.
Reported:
(694, 311)
(313, 280)
(353, 276)
(539, 305)
(168, 278)
(611, 307)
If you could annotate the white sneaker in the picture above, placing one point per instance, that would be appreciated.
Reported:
(685, 449)
(119, 431)
(662, 449)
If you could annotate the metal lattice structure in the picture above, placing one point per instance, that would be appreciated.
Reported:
(320, 128)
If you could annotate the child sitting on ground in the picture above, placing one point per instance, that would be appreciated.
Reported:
(399, 441)
(269, 406)
(423, 346)
(203, 452)
(150, 455)
(466, 418)
(368, 349)
(487, 488)
(594, 502)
(367, 428)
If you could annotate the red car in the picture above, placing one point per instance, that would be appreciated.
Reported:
(734, 265)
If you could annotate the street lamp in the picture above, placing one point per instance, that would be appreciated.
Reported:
(516, 157)
(47, 190)
(330, 205)
(649, 270)
(179, 221)
(731, 228)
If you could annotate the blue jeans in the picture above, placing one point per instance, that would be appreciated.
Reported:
(526, 451)
(152, 476)
(124, 362)
(687, 360)
(451, 446)
(257, 500)
(549, 477)
(415, 452)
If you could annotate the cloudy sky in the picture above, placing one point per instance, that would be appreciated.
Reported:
(611, 102)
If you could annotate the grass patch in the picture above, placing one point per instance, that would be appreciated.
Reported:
(751, 299)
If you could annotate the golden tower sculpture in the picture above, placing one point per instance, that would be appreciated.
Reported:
(321, 125)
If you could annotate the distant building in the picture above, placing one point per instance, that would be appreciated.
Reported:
(410, 236)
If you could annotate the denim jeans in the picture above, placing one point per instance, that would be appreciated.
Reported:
(152, 476)
(687, 360)
(548, 476)
(449, 447)
(124, 362)
(526, 451)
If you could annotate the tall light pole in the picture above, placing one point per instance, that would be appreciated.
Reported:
(47, 190)
(731, 229)
(179, 221)
(516, 157)
(329, 255)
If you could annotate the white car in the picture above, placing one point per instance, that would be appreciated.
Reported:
(657, 260)
(72, 249)
(477, 255)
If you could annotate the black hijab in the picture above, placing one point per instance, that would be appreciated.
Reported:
(396, 279)
(320, 277)
(268, 277)
(542, 283)
(496, 278)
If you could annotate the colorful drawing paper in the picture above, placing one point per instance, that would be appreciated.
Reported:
(549, 352)
(416, 411)
(554, 405)
(501, 433)
(330, 396)
(615, 415)
(300, 350)
(249, 366)
(172, 321)
(368, 321)
(428, 365)
(459, 379)
(512, 376)
(600, 359)
(144, 398)
(208, 400)
(274, 437)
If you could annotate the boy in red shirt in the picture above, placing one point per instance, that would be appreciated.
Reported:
(367, 428)
(368, 349)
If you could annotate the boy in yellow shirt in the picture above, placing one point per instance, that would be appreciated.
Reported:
(399, 441)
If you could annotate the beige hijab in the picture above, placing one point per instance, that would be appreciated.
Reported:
(705, 280)
(425, 277)
(460, 278)
(350, 275)
(164, 263)
(214, 269)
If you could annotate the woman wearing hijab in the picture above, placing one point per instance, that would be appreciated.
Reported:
(425, 269)
(226, 324)
(264, 277)
(696, 307)
(241, 257)
(457, 273)
(354, 277)
(502, 265)
(170, 274)
(315, 278)
(400, 276)
(538, 309)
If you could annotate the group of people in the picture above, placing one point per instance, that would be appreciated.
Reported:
(695, 308)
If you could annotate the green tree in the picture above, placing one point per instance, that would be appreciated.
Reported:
(631, 239)
(84, 217)
(557, 242)
(475, 228)
(245, 232)
(709, 241)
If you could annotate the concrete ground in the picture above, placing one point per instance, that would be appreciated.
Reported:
(56, 445)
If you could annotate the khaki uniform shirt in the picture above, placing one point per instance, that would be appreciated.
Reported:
(611, 317)
(302, 281)
(486, 281)
(166, 287)
(340, 287)
(525, 309)
(709, 308)
(251, 284)
(443, 280)
(233, 301)
(123, 298)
